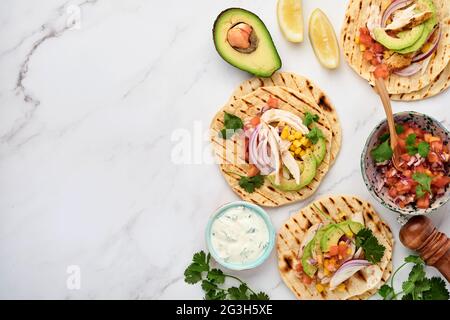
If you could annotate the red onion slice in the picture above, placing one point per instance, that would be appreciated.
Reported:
(347, 270)
(425, 55)
(396, 5)
(409, 70)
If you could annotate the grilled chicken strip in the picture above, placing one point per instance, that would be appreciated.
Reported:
(398, 61)
(408, 18)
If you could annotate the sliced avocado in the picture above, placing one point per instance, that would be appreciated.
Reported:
(350, 227)
(428, 28)
(319, 151)
(308, 170)
(258, 55)
(319, 235)
(409, 38)
(330, 238)
(308, 268)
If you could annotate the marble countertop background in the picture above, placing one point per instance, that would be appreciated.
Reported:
(94, 97)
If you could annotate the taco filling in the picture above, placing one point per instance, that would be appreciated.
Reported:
(400, 38)
(283, 147)
(330, 254)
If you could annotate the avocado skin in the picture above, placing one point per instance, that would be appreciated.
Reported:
(429, 27)
(261, 73)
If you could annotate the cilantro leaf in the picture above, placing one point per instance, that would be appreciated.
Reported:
(215, 295)
(411, 144)
(200, 263)
(437, 291)
(310, 118)
(423, 149)
(419, 191)
(423, 180)
(231, 124)
(239, 293)
(386, 291)
(216, 276)
(399, 128)
(259, 296)
(414, 259)
(417, 273)
(384, 137)
(208, 285)
(382, 153)
(249, 184)
(373, 250)
(314, 135)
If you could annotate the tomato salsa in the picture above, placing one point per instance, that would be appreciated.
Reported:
(424, 162)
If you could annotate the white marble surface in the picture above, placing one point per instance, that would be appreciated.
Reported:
(86, 119)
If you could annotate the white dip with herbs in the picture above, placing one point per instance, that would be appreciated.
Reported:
(239, 235)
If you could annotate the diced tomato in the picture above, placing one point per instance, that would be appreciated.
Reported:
(377, 48)
(391, 181)
(306, 280)
(252, 171)
(402, 143)
(392, 192)
(403, 187)
(423, 202)
(381, 71)
(299, 268)
(407, 173)
(418, 132)
(365, 38)
(368, 55)
(437, 146)
(255, 121)
(272, 102)
(427, 137)
(343, 249)
(433, 157)
(375, 61)
(391, 172)
(440, 181)
(334, 251)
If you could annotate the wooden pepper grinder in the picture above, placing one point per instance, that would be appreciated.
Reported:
(421, 235)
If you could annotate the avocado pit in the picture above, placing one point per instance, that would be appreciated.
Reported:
(242, 38)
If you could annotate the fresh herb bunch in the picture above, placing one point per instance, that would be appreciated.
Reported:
(200, 271)
(373, 250)
(417, 287)
(231, 124)
(310, 118)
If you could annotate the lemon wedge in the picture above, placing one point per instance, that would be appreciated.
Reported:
(290, 19)
(323, 39)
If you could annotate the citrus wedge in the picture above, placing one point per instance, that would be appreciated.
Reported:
(290, 19)
(323, 39)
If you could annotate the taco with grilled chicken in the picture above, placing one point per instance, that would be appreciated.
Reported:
(405, 42)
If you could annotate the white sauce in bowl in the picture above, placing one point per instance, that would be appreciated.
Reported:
(239, 235)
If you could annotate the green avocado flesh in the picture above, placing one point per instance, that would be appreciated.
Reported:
(319, 151)
(263, 61)
(428, 29)
(308, 170)
(409, 38)
(326, 237)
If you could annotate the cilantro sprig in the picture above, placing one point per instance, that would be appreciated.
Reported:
(424, 183)
(422, 148)
(249, 184)
(310, 118)
(418, 286)
(314, 135)
(212, 281)
(383, 152)
(373, 250)
(231, 124)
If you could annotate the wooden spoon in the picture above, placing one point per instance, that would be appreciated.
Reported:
(382, 92)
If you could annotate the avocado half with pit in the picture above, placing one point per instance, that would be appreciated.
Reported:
(242, 39)
(308, 168)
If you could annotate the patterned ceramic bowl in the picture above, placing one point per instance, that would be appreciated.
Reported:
(369, 169)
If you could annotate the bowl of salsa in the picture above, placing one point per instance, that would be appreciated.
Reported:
(422, 183)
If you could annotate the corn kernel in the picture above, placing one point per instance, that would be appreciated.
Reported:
(341, 287)
(349, 234)
(298, 135)
(296, 143)
(362, 47)
(291, 137)
(284, 135)
(303, 141)
(302, 153)
(292, 148)
(297, 151)
(319, 287)
(308, 143)
(292, 153)
(349, 251)
(357, 39)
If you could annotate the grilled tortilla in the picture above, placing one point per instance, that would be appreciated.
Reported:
(303, 86)
(338, 208)
(438, 85)
(230, 153)
(356, 17)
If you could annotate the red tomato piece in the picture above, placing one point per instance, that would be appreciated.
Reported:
(306, 280)
(392, 192)
(272, 102)
(433, 157)
(377, 48)
(255, 121)
(334, 251)
(368, 55)
(423, 202)
(437, 146)
(252, 171)
(381, 71)
(440, 181)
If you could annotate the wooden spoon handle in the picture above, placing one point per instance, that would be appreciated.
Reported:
(384, 95)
